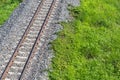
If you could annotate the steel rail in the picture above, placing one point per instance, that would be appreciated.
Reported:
(5, 72)
(34, 48)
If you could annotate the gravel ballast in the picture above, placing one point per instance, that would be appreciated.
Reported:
(12, 30)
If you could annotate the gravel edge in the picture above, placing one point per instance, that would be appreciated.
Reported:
(12, 31)
(39, 68)
(16, 24)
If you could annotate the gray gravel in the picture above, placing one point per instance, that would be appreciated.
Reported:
(64, 13)
(12, 30)
(40, 66)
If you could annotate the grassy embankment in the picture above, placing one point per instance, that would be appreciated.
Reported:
(6, 8)
(88, 48)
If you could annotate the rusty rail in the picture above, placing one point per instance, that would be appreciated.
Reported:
(4, 74)
(34, 48)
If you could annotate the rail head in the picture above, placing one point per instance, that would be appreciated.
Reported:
(34, 48)
(7, 68)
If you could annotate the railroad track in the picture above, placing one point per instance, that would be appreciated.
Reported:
(29, 42)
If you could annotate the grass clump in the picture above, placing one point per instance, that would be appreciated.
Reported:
(6, 8)
(88, 48)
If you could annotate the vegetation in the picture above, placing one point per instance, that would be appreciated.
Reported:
(6, 8)
(88, 48)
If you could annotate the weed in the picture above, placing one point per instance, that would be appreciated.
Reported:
(88, 48)
(6, 8)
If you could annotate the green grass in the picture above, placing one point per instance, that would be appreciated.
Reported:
(88, 48)
(6, 8)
